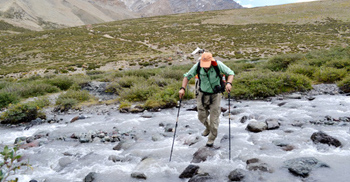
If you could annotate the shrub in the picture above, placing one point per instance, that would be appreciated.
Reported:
(338, 63)
(281, 62)
(329, 75)
(159, 80)
(256, 85)
(302, 69)
(129, 81)
(30, 89)
(344, 84)
(62, 82)
(7, 98)
(114, 88)
(139, 92)
(78, 95)
(124, 104)
(166, 98)
(24, 112)
(170, 73)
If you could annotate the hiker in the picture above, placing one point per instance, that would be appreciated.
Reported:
(209, 95)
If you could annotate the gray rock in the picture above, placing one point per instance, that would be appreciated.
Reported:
(321, 137)
(65, 161)
(255, 126)
(244, 119)
(255, 164)
(201, 178)
(237, 175)
(303, 166)
(190, 171)
(138, 175)
(123, 145)
(272, 124)
(147, 114)
(90, 177)
(202, 154)
(20, 140)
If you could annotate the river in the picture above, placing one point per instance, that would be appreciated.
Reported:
(63, 158)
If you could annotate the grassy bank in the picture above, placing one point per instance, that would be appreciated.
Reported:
(158, 87)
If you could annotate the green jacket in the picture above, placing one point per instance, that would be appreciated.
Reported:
(209, 79)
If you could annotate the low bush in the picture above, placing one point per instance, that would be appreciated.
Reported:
(338, 63)
(329, 75)
(78, 95)
(141, 91)
(173, 74)
(167, 97)
(30, 89)
(159, 80)
(114, 88)
(281, 62)
(344, 84)
(257, 84)
(62, 82)
(302, 69)
(124, 104)
(24, 112)
(7, 98)
(71, 98)
(129, 81)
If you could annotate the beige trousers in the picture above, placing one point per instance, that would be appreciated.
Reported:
(209, 110)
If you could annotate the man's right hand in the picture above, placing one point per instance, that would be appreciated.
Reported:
(181, 93)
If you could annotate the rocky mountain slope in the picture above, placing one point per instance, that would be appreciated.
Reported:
(48, 14)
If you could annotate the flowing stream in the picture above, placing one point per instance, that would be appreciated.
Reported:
(62, 158)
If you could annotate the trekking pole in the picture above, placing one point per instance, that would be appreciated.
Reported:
(177, 119)
(229, 126)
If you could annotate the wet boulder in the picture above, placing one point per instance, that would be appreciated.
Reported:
(255, 164)
(90, 177)
(244, 119)
(321, 137)
(190, 171)
(138, 175)
(20, 140)
(123, 145)
(237, 175)
(303, 166)
(272, 123)
(85, 138)
(202, 154)
(256, 126)
(64, 161)
(201, 178)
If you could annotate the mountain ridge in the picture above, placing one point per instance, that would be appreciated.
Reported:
(51, 14)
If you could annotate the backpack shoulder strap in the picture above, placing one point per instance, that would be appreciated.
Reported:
(198, 68)
(217, 69)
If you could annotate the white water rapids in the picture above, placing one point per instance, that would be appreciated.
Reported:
(93, 157)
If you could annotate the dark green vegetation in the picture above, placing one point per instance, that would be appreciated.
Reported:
(146, 59)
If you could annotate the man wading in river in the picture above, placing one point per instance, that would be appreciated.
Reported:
(210, 89)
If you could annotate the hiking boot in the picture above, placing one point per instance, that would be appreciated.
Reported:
(209, 145)
(205, 132)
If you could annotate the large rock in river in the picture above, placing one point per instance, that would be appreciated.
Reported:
(321, 137)
(303, 166)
